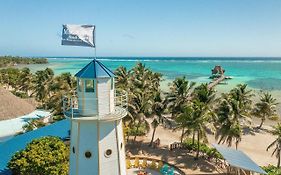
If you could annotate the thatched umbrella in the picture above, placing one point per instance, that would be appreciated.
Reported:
(12, 106)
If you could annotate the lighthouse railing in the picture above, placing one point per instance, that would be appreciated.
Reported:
(71, 106)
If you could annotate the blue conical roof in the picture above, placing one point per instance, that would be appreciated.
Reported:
(94, 69)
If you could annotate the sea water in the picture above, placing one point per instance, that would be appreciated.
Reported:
(259, 73)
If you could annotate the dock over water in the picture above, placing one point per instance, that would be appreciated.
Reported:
(216, 82)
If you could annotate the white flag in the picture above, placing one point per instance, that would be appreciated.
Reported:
(78, 35)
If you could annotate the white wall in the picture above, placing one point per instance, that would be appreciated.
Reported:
(73, 156)
(103, 95)
(108, 140)
(88, 141)
(122, 156)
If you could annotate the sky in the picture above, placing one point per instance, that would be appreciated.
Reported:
(177, 28)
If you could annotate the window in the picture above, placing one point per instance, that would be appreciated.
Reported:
(108, 152)
(79, 85)
(88, 154)
(112, 83)
(89, 86)
(73, 149)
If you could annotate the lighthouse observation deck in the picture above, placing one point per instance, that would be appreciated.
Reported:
(76, 111)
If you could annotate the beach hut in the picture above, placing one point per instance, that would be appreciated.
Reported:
(12, 106)
(218, 70)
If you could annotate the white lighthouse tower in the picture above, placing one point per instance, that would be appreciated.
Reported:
(97, 145)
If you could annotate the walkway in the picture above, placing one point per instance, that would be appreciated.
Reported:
(216, 82)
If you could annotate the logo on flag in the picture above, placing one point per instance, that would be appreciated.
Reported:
(78, 35)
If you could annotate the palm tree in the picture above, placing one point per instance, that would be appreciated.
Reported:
(141, 92)
(277, 142)
(228, 129)
(26, 80)
(180, 92)
(205, 95)
(63, 85)
(243, 96)
(41, 83)
(230, 118)
(266, 108)
(200, 122)
(158, 108)
(122, 78)
(182, 122)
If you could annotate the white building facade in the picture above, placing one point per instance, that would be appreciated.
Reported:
(97, 144)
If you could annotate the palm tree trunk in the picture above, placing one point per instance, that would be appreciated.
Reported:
(182, 133)
(262, 120)
(193, 138)
(198, 145)
(278, 163)
(220, 141)
(136, 132)
(151, 142)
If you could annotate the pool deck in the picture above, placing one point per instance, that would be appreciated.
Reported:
(9, 128)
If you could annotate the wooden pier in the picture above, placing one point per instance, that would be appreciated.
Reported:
(216, 82)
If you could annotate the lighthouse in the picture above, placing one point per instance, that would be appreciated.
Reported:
(96, 141)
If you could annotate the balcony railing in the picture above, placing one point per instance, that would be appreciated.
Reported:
(90, 112)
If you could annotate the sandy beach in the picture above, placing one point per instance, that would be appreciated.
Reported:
(254, 143)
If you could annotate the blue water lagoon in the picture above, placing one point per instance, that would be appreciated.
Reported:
(258, 73)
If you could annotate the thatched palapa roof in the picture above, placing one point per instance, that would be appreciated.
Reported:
(12, 106)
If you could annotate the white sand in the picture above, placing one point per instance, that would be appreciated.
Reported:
(254, 144)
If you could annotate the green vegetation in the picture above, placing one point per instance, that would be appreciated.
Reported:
(11, 61)
(266, 108)
(46, 88)
(142, 86)
(272, 170)
(277, 143)
(44, 156)
(204, 149)
(195, 109)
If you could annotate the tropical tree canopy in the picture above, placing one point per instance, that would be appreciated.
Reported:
(44, 156)
(265, 108)
(276, 144)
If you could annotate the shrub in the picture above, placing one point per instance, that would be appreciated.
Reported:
(44, 156)
(211, 152)
(272, 170)
(134, 131)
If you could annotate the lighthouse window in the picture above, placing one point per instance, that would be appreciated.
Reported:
(88, 154)
(108, 152)
(89, 85)
(73, 149)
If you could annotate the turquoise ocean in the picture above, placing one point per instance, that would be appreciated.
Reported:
(259, 73)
